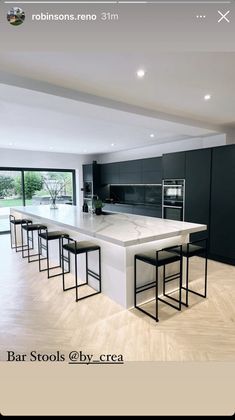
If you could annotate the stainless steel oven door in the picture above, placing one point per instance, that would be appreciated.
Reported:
(173, 213)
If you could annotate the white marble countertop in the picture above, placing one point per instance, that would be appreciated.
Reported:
(118, 228)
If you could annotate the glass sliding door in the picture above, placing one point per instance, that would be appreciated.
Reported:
(11, 195)
(40, 186)
(20, 187)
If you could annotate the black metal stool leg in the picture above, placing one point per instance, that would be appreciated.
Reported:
(15, 237)
(86, 268)
(180, 280)
(39, 252)
(24, 247)
(164, 283)
(206, 264)
(100, 287)
(62, 257)
(60, 252)
(22, 242)
(28, 246)
(76, 277)
(187, 277)
(48, 261)
(135, 263)
(157, 319)
(11, 235)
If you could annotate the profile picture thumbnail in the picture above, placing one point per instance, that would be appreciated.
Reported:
(16, 16)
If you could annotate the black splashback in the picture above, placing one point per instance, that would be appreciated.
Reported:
(137, 194)
(153, 194)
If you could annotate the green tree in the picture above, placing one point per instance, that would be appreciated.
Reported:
(33, 182)
(6, 185)
(18, 185)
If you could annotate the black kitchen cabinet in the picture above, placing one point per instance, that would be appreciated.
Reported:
(150, 211)
(105, 173)
(141, 210)
(174, 165)
(88, 172)
(222, 232)
(110, 173)
(91, 175)
(152, 171)
(141, 171)
(118, 208)
(197, 188)
(130, 172)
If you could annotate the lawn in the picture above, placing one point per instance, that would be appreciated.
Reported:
(12, 202)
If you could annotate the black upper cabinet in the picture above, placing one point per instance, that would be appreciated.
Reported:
(88, 172)
(223, 204)
(174, 165)
(141, 171)
(152, 171)
(110, 173)
(130, 172)
(197, 188)
(105, 173)
(130, 166)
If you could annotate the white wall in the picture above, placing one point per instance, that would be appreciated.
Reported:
(158, 150)
(49, 160)
(230, 138)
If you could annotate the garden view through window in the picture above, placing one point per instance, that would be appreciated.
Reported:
(33, 187)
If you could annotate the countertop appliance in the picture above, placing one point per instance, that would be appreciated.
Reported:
(173, 198)
(87, 189)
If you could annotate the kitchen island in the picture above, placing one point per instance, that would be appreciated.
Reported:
(120, 237)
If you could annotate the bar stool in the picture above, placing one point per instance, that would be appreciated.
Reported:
(51, 236)
(189, 250)
(31, 227)
(13, 232)
(160, 258)
(77, 248)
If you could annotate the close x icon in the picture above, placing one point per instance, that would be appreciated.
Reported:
(224, 16)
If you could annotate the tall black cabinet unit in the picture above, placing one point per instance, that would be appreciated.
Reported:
(197, 188)
(222, 236)
(91, 174)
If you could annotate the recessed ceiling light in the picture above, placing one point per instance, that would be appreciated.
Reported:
(84, 151)
(51, 148)
(112, 144)
(152, 136)
(207, 97)
(10, 144)
(140, 73)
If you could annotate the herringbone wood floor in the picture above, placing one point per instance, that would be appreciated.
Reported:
(37, 315)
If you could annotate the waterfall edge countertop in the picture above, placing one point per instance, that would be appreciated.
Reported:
(118, 228)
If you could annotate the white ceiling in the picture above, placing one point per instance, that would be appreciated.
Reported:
(175, 84)
(37, 121)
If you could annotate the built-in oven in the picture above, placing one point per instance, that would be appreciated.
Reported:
(88, 189)
(173, 196)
